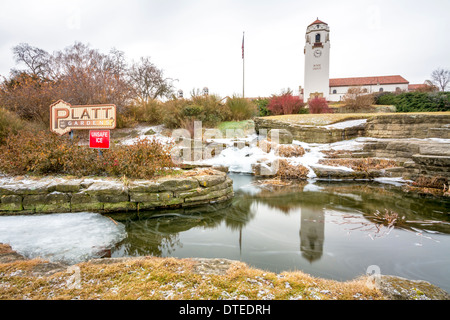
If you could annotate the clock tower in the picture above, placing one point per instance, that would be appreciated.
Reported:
(317, 61)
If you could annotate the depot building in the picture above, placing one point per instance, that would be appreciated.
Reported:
(317, 82)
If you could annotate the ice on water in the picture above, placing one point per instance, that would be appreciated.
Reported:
(70, 237)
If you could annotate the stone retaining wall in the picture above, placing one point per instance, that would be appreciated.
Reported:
(55, 195)
(409, 126)
(309, 134)
(417, 157)
(396, 126)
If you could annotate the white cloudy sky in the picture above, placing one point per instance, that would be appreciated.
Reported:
(199, 42)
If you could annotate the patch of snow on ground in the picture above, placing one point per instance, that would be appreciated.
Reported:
(346, 124)
(142, 135)
(70, 237)
(314, 153)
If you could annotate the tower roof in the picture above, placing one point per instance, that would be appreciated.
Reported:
(317, 22)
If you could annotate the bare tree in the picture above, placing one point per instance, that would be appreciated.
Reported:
(79, 75)
(357, 98)
(86, 76)
(36, 60)
(148, 81)
(441, 78)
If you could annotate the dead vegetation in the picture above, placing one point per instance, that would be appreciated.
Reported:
(289, 151)
(435, 186)
(286, 170)
(389, 218)
(152, 278)
(282, 150)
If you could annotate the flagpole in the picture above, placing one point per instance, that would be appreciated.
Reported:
(243, 66)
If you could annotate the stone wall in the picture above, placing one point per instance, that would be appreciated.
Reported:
(309, 134)
(412, 125)
(55, 195)
(401, 125)
(417, 157)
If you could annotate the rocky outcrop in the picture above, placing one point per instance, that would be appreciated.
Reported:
(54, 194)
(308, 133)
(397, 288)
(393, 126)
(423, 125)
(418, 157)
(326, 172)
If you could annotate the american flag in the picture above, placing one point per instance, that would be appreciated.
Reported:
(243, 46)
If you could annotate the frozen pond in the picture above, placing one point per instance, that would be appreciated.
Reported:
(326, 229)
(71, 238)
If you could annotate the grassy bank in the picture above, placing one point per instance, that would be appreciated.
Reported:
(151, 278)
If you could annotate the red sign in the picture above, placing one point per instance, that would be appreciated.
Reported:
(99, 139)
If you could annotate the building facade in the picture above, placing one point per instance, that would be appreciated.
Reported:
(317, 71)
(317, 60)
(339, 87)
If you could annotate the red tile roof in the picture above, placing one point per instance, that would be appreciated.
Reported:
(317, 22)
(367, 81)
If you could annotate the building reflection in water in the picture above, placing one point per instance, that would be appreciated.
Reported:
(312, 233)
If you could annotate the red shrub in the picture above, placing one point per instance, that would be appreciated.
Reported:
(319, 105)
(285, 104)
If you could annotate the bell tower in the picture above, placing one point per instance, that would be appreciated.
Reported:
(317, 61)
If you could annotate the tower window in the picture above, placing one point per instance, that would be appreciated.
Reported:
(318, 37)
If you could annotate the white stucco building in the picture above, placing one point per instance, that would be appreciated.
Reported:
(339, 87)
(317, 70)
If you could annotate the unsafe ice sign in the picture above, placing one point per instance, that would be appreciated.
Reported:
(99, 139)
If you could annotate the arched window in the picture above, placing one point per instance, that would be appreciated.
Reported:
(381, 89)
(334, 91)
(318, 37)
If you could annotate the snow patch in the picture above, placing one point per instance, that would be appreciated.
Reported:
(345, 124)
(70, 237)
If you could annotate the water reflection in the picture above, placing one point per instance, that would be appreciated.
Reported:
(327, 229)
(158, 233)
(312, 233)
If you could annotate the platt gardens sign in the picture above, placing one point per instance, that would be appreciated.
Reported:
(64, 117)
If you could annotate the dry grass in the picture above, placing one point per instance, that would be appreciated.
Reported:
(282, 150)
(388, 218)
(290, 150)
(319, 119)
(363, 165)
(437, 182)
(435, 186)
(287, 170)
(173, 279)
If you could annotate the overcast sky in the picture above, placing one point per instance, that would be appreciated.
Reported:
(199, 42)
